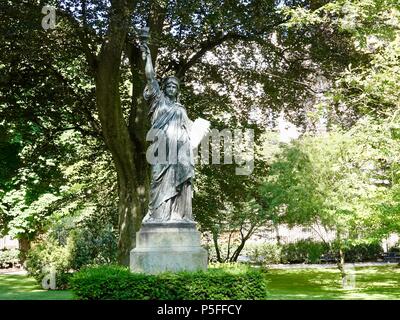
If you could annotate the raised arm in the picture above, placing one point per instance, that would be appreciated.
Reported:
(148, 69)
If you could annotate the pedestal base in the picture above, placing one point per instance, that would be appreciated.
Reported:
(164, 247)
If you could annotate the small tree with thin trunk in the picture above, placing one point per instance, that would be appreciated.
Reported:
(333, 180)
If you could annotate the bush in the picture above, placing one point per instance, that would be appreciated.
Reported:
(395, 249)
(66, 249)
(48, 256)
(118, 283)
(93, 247)
(266, 253)
(303, 251)
(9, 258)
(93, 241)
(363, 252)
(309, 251)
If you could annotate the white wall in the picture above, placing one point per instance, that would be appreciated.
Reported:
(8, 243)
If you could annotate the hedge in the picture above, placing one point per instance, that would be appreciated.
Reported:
(303, 251)
(363, 252)
(309, 251)
(118, 283)
(9, 258)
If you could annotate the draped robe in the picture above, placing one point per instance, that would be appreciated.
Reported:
(171, 182)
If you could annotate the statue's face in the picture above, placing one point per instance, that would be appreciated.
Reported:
(171, 90)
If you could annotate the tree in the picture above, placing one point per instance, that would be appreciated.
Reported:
(227, 206)
(338, 180)
(63, 181)
(87, 73)
(371, 86)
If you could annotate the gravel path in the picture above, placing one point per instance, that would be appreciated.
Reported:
(13, 271)
(18, 271)
(328, 265)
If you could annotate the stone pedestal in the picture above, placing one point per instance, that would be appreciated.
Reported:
(168, 246)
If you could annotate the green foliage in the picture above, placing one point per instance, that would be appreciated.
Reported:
(118, 283)
(395, 249)
(70, 245)
(230, 217)
(9, 258)
(91, 247)
(363, 252)
(263, 254)
(9, 161)
(370, 86)
(303, 251)
(49, 257)
(309, 251)
(341, 180)
(389, 208)
(30, 208)
(28, 220)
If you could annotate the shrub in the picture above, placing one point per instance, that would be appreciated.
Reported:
(48, 256)
(118, 283)
(303, 251)
(9, 258)
(309, 251)
(93, 247)
(93, 241)
(266, 253)
(363, 252)
(395, 249)
(66, 248)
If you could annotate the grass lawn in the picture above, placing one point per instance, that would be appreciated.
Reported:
(371, 283)
(20, 287)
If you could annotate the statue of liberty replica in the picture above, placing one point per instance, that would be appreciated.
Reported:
(168, 239)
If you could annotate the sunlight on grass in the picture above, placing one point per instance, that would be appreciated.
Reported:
(372, 283)
(21, 287)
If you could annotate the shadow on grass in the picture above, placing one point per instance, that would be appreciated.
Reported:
(371, 283)
(325, 284)
(22, 287)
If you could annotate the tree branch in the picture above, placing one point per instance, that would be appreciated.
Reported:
(82, 32)
(83, 106)
(221, 38)
(204, 47)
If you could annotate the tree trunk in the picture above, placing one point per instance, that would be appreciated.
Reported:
(278, 237)
(127, 150)
(243, 240)
(238, 250)
(125, 138)
(341, 268)
(216, 246)
(130, 210)
(24, 246)
(130, 165)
